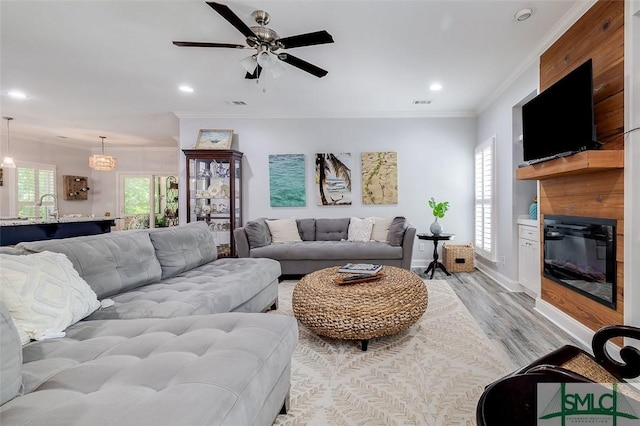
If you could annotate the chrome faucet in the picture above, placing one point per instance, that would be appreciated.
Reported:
(54, 213)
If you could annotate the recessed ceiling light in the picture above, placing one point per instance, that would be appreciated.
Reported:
(435, 87)
(186, 89)
(16, 94)
(523, 14)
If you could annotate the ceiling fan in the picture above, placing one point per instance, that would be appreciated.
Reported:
(267, 44)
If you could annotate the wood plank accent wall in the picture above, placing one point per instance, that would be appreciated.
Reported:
(599, 35)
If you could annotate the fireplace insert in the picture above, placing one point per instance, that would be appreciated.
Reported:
(580, 254)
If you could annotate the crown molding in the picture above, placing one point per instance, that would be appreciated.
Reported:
(136, 149)
(346, 115)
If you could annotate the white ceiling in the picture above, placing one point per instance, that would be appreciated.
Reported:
(94, 68)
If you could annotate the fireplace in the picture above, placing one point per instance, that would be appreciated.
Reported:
(580, 254)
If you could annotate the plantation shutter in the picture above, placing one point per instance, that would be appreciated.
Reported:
(484, 199)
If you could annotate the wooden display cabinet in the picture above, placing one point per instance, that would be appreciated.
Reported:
(214, 193)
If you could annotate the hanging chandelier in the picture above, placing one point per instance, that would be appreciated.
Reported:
(101, 161)
(7, 161)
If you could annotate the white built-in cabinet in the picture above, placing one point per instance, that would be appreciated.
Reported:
(529, 256)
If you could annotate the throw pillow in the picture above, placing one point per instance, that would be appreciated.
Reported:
(44, 294)
(332, 229)
(396, 231)
(360, 229)
(307, 229)
(258, 233)
(380, 230)
(283, 231)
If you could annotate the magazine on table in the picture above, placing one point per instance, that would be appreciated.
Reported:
(360, 268)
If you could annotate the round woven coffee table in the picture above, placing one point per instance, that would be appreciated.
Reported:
(359, 311)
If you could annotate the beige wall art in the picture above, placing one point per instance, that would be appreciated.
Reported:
(379, 178)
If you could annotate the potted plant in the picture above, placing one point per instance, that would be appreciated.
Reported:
(439, 209)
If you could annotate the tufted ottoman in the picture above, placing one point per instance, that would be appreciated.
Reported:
(359, 311)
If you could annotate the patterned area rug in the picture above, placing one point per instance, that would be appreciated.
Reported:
(430, 374)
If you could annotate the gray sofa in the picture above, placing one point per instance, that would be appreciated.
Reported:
(166, 272)
(158, 356)
(324, 244)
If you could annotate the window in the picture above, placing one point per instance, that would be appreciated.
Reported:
(32, 182)
(485, 190)
(136, 202)
(147, 201)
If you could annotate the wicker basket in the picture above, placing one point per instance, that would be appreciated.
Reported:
(458, 258)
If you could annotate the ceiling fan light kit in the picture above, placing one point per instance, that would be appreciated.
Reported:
(267, 44)
(249, 64)
(263, 58)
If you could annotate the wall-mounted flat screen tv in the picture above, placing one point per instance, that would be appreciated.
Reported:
(560, 120)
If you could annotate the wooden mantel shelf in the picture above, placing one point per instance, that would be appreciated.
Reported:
(576, 164)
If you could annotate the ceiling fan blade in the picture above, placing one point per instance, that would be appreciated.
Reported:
(233, 19)
(205, 44)
(255, 74)
(309, 39)
(303, 65)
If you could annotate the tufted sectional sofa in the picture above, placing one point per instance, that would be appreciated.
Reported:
(185, 342)
(324, 243)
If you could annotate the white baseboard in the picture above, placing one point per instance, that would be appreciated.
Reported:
(421, 264)
(504, 281)
(573, 327)
(576, 329)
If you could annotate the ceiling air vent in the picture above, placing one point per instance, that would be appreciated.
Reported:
(236, 103)
(422, 102)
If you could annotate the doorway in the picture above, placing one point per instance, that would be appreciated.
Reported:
(147, 201)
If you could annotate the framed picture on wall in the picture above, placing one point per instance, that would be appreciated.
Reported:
(379, 177)
(333, 179)
(214, 139)
(287, 183)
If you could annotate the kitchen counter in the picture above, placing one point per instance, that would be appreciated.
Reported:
(64, 219)
(17, 230)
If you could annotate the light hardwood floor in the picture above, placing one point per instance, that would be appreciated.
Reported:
(507, 318)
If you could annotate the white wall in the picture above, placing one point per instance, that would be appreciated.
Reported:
(435, 158)
(161, 161)
(68, 161)
(498, 119)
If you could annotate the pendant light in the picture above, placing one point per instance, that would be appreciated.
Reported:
(7, 161)
(102, 162)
